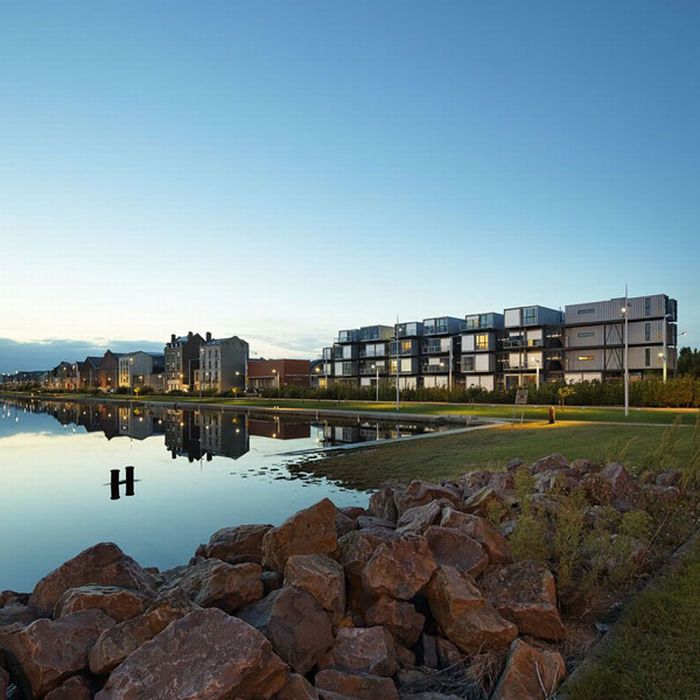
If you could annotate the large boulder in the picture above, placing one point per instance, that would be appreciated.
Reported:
(399, 568)
(320, 576)
(487, 503)
(420, 518)
(297, 688)
(309, 531)
(116, 643)
(343, 524)
(372, 521)
(625, 490)
(496, 546)
(553, 461)
(453, 548)
(418, 493)
(525, 594)
(212, 583)
(104, 564)
(382, 505)
(356, 548)
(235, 545)
(464, 616)
(75, 688)
(529, 673)
(362, 650)
(298, 627)
(335, 685)
(207, 655)
(400, 618)
(119, 603)
(47, 652)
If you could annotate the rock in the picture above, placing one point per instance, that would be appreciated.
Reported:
(447, 652)
(50, 651)
(212, 583)
(4, 682)
(320, 576)
(310, 531)
(16, 613)
(75, 688)
(399, 568)
(625, 490)
(486, 503)
(525, 594)
(381, 504)
(583, 466)
(365, 521)
(207, 655)
(367, 650)
(297, 688)
(353, 512)
(356, 548)
(428, 651)
(453, 548)
(405, 657)
(597, 489)
(343, 524)
(400, 618)
(334, 685)
(514, 464)
(419, 493)
(417, 520)
(653, 494)
(119, 603)
(104, 564)
(235, 545)
(562, 480)
(429, 695)
(465, 618)
(528, 670)
(12, 598)
(553, 461)
(496, 546)
(116, 643)
(297, 626)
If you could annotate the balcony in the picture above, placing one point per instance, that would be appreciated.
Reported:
(373, 353)
(434, 349)
(372, 371)
(517, 343)
(442, 368)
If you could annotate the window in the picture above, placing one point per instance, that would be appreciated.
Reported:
(582, 312)
(647, 306)
(647, 357)
(529, 316)
(647, 332)
(585, 358)
(467, 363)
(482, 341)
(586, 334)
(406, 346)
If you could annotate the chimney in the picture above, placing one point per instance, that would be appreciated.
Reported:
(172, 339)
(189, 335)
(208, 336)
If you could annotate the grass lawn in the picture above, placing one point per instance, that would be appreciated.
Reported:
(657, 653)
(450, 455)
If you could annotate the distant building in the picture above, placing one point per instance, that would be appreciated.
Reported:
(63, 377)
(264, 374)
(317, 378)
(88, 372)
(182, 355)
(108, 373)
(139, 369)
(222, 364)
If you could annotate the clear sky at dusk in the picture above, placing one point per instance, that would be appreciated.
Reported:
(280, 170)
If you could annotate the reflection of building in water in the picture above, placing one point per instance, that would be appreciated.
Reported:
(182, 434)
(278, 429)
(223, 434)
(138, 423)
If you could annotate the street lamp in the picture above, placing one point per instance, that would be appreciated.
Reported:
(376, 381)
(537, 373)
(277, 378)
(625, 313)
(664, 354)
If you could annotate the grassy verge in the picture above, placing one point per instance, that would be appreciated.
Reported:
(449, 455)
(657, 646)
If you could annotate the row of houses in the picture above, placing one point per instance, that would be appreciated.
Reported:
(188, 363)
(524, 344)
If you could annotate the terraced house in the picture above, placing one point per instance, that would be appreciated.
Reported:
(523, 345)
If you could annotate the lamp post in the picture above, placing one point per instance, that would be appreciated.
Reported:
(277, 378)
(376, 381)
(664, 354)
(537, 373)
(625, 313)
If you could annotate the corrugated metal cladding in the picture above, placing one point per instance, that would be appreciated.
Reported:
(611, 310)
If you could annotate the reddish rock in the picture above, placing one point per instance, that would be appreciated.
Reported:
(13, 597)
(212, 583)
(334, 685)
(104, 564)
(553, 461)
(597, 489)
(525, 594)
(399, 568)
(4, 682)
(75, 688)
(496, 546)
(417, 520)
(464, 616)
(448, 654)
(207, 655)
(271, 580)
(343, 524)
(119, 603)
(310, 531)
(529, 674)
(366, 521)
(362, 650)
(453, 548)
(405, 657)
(116, 643)
(353, 512)
(17, 613)
(297, 688)
(50, 651)
(235, 545)
(400, 618)
(382, 505)
(670, 477)
(653, 494)
(485, 502)
(625, 490)
(356, 548)
(297, 626)
(320, 576)
(418, 493)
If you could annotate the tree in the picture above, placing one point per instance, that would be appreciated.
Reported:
(689, 362)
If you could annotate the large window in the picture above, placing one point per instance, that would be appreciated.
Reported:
(468, 363)
(647, 357)
(481, 341)
(647, 332)
(647, 306)
(529, 315)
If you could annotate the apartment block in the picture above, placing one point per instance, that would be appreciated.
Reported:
(222, 364)
(440, 351)
(482, 337)
(182, 361)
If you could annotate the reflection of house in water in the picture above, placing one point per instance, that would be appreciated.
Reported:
(223, 434)
(278, 429)
(138, 423)
(182, 434)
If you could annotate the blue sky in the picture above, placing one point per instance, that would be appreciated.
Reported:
(281, 170)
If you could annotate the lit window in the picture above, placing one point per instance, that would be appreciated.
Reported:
(585, 358)
(481, 341)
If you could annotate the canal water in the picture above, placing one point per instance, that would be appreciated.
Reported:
(157, 481)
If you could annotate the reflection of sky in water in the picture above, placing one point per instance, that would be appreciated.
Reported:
(55, 496)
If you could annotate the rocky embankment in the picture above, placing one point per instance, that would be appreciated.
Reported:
(415, 597)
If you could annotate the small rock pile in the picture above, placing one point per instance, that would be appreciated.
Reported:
(333, 604)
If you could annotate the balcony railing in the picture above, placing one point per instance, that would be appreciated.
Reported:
(372, 371)
(514, 343)
(434, 350)
(373, 353)
(435, 369)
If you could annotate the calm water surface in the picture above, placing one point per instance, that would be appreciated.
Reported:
(193, 473)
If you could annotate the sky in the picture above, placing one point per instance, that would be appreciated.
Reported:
(282, 170)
